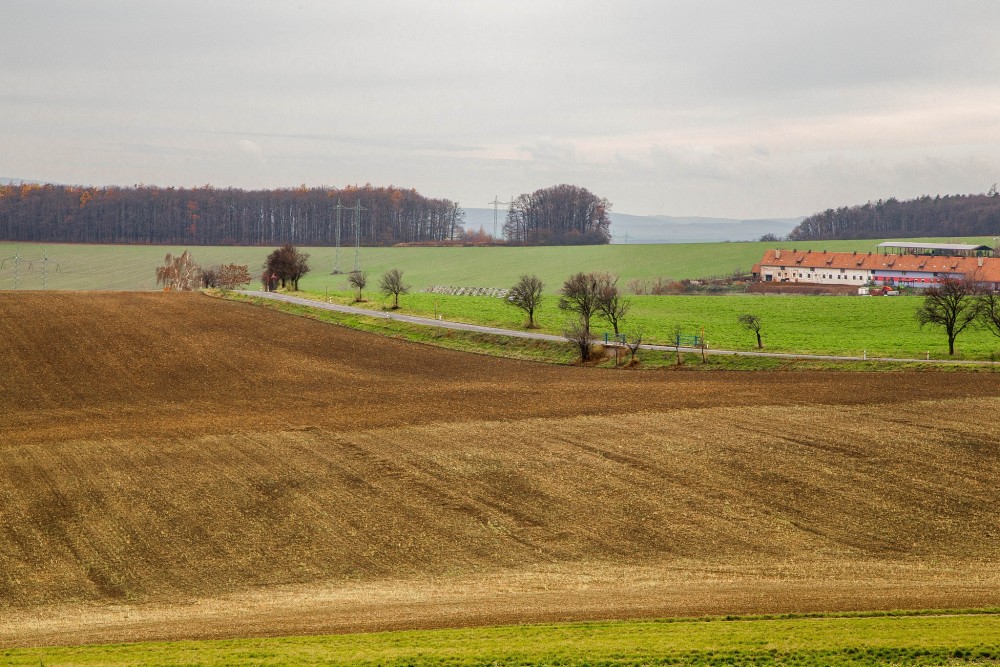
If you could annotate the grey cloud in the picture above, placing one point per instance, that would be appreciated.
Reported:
(660, 106)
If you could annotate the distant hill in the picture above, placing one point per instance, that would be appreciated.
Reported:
(947, 216)
(662, 228)
(670, 229)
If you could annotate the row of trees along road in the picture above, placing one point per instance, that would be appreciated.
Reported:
(212, 216)
(588, 295)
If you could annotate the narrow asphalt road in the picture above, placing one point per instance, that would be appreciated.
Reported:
(447, 324)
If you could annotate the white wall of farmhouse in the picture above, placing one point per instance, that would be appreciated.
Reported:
(815, 275)
(856, 269)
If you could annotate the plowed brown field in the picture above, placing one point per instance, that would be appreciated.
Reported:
(176, 466)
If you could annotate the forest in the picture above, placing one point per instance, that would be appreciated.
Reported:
(145, 214)
(950, 215)
(559, 215)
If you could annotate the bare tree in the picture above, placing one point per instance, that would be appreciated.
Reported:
(579, 294)
(527, 295)
(611, 303)
(677, 343)
(633, 346)
(638, 286)
(210, 276)
(579, 335)
(358, 280)
(951, 305)
(180, 272)
(751, 322)
(989, 311)
(391, 282)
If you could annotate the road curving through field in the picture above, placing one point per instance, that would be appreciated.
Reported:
(463, 326)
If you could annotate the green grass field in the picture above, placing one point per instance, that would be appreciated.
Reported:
(950, 639)
(133, 267)
(847, 326)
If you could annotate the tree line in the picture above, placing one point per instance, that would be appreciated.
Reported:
(145, 214)
(559, 215)
(950, 215)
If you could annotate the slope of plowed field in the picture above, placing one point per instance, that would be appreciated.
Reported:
(172, 465)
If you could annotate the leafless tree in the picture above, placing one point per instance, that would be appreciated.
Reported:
(638, 286)
(578, 334)
(179, 273)
(633, 346)
(751, 322)
(210, 277)
(527, 295)
(677, 343)
(989, 311)
(611, 303)
(952, 305)
(391, 282)
(579, 294)
(358, 280)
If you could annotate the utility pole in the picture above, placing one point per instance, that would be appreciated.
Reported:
(45, 269)
(17, 269)
(336, 256)
(357, 235)
(496, 202)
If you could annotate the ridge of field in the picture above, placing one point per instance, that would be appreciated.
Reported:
(179, 466)
(966, 639)
(844, 326)
(124, 267)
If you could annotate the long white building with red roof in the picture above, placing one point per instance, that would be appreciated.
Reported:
(854, 268)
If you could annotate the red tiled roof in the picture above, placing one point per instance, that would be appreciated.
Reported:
(988, 272)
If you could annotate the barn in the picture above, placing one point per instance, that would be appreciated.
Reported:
(897, 270)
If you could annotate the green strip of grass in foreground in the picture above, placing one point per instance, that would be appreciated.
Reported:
(965, 639)
(563, 353)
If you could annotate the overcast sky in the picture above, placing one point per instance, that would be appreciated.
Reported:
(737, 109)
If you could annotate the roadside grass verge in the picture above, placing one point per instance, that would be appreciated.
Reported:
(557, 352)
(845, 326)
(921, 638)
(465, 341)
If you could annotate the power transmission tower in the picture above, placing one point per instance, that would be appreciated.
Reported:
(336, 257)
(496, 202)
(45, 268)
(357, 235)
(17, 267)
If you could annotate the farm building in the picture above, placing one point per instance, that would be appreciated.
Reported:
(853, 268)
(950, 249)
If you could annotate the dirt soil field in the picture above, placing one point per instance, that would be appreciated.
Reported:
(175, 466)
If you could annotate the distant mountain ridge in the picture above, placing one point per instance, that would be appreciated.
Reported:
(626, 228)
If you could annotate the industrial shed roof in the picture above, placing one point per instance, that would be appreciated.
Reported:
(951, 247)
